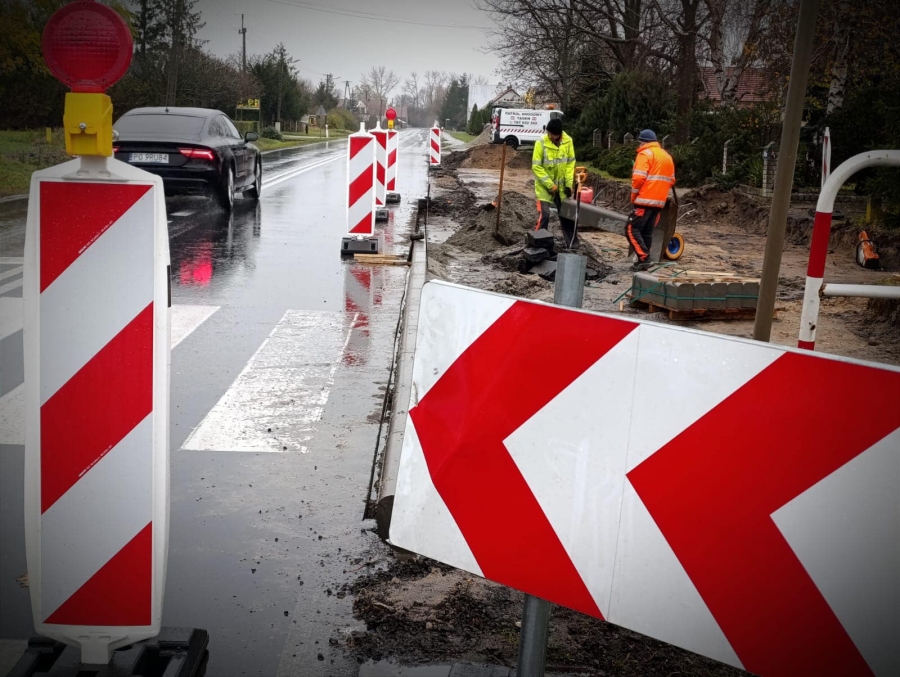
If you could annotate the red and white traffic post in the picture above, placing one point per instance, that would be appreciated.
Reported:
(818, 249)
(381, 155)
(633, 482)
(96, 329)
(393, 150)
(434, 146)
(361, 236)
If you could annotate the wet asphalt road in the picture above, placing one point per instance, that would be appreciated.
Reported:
(271, 332)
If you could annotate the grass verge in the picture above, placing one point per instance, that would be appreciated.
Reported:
(292, 140)
(462, 136)
(22, 153)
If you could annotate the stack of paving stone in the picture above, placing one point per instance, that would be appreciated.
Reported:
(688, 291)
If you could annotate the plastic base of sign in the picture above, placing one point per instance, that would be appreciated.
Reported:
(381, 215)
(175, 652)
(392, 199)
(360, 245)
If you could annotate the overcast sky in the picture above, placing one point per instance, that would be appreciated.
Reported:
(440, 35)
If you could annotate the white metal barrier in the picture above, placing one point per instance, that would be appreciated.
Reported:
(818, 250)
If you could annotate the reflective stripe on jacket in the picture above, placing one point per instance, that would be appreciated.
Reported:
(652, 177)
(553, 166)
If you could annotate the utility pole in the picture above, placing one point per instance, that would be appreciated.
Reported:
(243, 33)
(784, 174)
(174, 55)
(347, 94)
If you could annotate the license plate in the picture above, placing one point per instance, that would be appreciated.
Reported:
(150, 157)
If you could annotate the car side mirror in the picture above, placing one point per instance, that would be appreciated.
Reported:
(251, 136)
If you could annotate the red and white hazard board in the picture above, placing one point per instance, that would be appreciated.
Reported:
(381, 161)
(734, 498)
(96, 384)
(434, 146)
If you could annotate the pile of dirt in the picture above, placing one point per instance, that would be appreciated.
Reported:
(476, 233)
(484, 138)
(422, 611)
(487, 156)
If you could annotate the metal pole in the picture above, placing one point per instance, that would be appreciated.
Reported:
(244, 48)
(784, 174)
(533, 640)
(568, 290)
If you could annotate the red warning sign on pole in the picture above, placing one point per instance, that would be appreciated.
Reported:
(96, 301)
(665, 480)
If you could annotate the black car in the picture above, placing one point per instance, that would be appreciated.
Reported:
(194, 150)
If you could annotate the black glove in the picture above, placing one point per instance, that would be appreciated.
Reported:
(568, 191)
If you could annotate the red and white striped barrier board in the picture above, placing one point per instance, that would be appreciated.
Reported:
(434, 143)
(96, 385)
(393, 151)
(381, 159)
(361, 183)
(664, 479)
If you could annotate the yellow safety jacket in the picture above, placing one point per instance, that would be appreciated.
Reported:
(553, 166)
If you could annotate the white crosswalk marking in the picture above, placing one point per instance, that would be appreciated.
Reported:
(12, 416)
(275, 402)
(12, 272)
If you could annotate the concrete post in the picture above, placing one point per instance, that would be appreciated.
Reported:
(568, 290)
(629, 138)
(725, 156)
(609, 141)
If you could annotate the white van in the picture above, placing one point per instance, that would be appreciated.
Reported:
(515, 126)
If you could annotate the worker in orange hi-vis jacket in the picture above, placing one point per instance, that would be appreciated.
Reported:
(651, 179)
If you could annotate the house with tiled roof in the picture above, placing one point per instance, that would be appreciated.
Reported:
(754, 86)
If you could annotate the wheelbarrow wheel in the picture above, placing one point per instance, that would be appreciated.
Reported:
(675, 248)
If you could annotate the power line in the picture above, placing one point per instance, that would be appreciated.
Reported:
(360, 14)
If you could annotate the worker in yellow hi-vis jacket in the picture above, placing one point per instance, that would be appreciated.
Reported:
(553, 164)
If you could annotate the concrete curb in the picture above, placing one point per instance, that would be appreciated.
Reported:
(387, 483)
(13, 198)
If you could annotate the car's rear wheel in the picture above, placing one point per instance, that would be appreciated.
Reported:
(226, 190)
(256, 189)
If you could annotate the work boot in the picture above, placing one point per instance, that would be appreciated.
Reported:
(641, 265)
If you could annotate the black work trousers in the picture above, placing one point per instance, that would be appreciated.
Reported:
(568, 225)
(639, 230)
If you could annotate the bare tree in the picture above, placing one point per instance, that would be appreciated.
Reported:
(381, 82)
(411, 89)
(544, 42)
(841, 45)
(478, 80)
(435, 88)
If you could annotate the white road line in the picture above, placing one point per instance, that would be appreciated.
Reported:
(8, 260)
(184, 212)
(186, 318)
(275, 402)
(296, 172)
(11, 273)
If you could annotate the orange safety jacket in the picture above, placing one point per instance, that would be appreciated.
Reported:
(652, 177)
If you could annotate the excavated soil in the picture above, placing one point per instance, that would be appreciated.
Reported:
(517, 217)
(423, 611)
(487, 156)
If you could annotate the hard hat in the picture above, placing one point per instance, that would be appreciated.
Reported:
(647, 135)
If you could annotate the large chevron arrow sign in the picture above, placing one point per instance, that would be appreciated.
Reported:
(734, 498)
